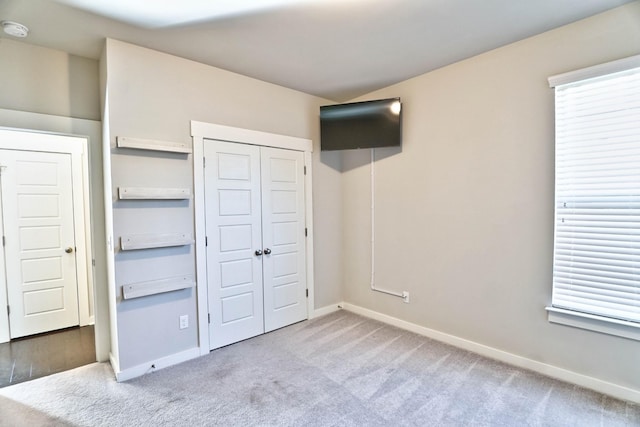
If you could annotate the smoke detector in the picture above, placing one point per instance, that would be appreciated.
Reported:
(14, 29)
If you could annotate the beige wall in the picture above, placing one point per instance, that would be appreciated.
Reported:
(47, 81)
(153, 95)
(464, 213)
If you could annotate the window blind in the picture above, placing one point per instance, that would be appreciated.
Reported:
(597, 200)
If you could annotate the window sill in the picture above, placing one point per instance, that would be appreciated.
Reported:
(620, 328)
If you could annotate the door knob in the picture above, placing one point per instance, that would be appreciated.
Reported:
(267, 251)
(258, 252)
(69, 250)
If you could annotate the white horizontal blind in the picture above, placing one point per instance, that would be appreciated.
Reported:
(597, 223)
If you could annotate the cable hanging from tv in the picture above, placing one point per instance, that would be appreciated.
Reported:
(404, 295)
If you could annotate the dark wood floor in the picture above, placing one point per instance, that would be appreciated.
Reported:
(41, 355)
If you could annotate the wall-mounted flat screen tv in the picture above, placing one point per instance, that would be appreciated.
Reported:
(368, 124)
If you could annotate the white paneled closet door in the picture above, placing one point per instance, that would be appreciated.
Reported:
(234, 234)
(283, 231)
(255, 225)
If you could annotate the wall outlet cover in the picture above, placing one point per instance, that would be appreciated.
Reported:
(184, 321)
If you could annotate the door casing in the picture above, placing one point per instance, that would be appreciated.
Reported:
(76, 146)
(200, 132)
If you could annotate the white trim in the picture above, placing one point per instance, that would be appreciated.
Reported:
(201, 251)
(590, 322)
(82, 221)
(49, 142)
(201, 131)
(605, 387)
(154, 365)
(109, 241)
(308, 190)
(595, 71)
(323, 311)
(246, 136)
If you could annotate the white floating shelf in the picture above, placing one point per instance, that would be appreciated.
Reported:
(153, 145)
(140, 193)
(149, 241)
(142, 289)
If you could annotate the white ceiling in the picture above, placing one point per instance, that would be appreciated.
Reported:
(336, 49)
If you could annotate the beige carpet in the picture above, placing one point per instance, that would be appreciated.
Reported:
(337, 370)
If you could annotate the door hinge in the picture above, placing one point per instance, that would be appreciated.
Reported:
(204, 162)
(4, 241)
(307, 293)
(8, 310)
(206, 241)
(305, 170)
(209, 317)
(93, 262)
(306, 232)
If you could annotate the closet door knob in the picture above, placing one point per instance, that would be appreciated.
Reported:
(267, 251)
(69, 250)
(258, 252)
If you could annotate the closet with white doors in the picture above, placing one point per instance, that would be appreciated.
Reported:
(256, 239)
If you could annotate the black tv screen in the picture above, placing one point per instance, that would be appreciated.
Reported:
(369, 124)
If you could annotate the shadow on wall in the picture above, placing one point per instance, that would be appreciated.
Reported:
(333, 159)
(83, 80)
(354, 159)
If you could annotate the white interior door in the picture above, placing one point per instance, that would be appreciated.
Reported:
(233, 229)
(40, 261)
(283, 231)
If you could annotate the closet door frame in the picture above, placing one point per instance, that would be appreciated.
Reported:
(201, 131)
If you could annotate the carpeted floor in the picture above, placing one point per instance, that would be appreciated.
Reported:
(337, 370)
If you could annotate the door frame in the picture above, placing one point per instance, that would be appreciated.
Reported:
(201, 131)
(77, 147)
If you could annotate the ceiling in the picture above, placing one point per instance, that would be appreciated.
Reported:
(336, 49)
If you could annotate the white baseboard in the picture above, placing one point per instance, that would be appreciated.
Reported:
(325, 310)
(154, 365)
(595, 384)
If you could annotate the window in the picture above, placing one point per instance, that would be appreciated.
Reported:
(596, 264)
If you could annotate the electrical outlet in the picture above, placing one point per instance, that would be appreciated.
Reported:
(184, 321)
(405, 297)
